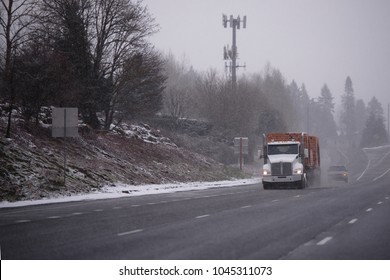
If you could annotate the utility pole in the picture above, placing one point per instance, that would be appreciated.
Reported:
(232, 54)
(388, 121)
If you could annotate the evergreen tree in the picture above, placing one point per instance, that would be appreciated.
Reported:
(322, 117)
(361, 117)
(33, 65)
(298, 107)
(140, 87)
(325, 100)
(375, 107)
(73, 44)
(348, 114)
(305, 112)
(276, 91)
(374, 134)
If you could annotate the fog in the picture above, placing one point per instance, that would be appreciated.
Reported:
(311, 42)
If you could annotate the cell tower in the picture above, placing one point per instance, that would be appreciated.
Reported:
(231, 55)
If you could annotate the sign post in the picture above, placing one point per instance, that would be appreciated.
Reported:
(241, 148)
(65, 124)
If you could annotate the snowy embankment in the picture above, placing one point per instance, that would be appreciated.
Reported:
(378, 163)
(33, 165)
(123, 190)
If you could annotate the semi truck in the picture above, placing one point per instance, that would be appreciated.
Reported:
(290, 160)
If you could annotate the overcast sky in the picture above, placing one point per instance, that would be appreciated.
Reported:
(309, 41)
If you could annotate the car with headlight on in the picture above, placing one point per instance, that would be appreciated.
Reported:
(338, 173)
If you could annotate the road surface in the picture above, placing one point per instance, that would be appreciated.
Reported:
(332, 221)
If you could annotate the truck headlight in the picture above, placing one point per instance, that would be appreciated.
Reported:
(266, 172)
(298, 171)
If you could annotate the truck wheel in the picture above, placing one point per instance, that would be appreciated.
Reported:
(303, 183)
(266, 186)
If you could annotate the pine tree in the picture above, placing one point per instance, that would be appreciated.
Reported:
(375, 107)
(323, 118)
(348, 114)
(326, 99)
(374, 134)
(361, 117)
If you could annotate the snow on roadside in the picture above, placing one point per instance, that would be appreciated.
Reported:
(122, 190)
(377, 148)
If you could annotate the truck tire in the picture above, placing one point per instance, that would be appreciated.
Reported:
(303, 183)
(266, 185)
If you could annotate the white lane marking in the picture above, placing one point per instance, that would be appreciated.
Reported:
(368, 165)
(54, 217)
(352, 221)
(275, 200)
(246, 206)
(325, 240)
(135, 205)
(369, 210)
(151, 203)
(381, 175)
(116, 207)
(77, 213)
(202, 216)
(379, 202)
(297, 196)
(387, 197)
(129, 232)
(22, 221)
(98, 210)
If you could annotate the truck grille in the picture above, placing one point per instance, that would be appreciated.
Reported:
(281, 169)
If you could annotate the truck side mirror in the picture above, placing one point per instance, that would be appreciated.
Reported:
(306, 152)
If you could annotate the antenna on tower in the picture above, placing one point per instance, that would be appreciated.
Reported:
(231, 54)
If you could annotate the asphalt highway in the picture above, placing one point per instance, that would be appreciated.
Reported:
(332, 221)
(348, 221)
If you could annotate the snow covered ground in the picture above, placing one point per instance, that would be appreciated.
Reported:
(122, 190)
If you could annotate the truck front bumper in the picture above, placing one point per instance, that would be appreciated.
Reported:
(282, 179)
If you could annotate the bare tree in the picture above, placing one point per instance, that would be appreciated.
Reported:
(115, 31)
(119, 31)
(180, 87)
(208, 87)
(119, 27)
(14, 22)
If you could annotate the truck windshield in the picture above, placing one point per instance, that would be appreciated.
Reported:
(283, 149)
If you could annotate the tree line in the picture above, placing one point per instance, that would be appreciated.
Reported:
(95, 55)
(266, 102)
(362, 125)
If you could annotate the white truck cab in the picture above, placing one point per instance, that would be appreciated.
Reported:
(283, 163)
